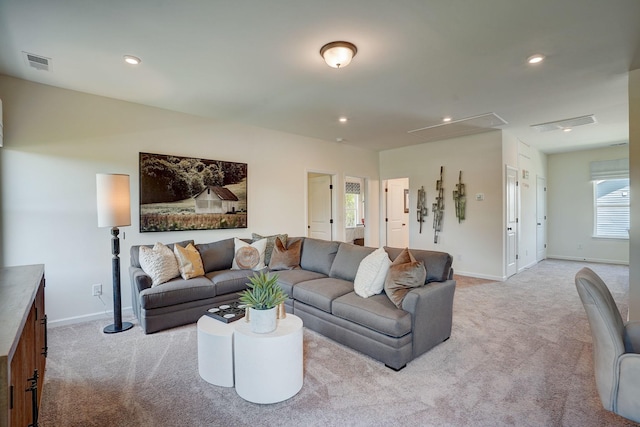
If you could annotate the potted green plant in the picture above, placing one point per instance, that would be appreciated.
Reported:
(263, 297)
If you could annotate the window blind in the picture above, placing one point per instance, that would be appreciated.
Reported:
(610, 169)
(352, 188)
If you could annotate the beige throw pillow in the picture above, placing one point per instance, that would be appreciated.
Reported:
(372, 273)
(189, 261)
(159, 263)
(404, 274)
(285, 258)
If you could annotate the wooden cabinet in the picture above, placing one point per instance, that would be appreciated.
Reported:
(23, 344)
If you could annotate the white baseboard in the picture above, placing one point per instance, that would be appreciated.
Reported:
(480, 276)
(597, 260)
(106, 315)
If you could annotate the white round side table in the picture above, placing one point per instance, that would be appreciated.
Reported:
(215, 351)
(268, 367)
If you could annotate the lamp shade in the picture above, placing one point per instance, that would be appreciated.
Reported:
(338, 54)
(114, 206)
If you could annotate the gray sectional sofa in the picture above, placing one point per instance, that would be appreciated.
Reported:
(321, 293)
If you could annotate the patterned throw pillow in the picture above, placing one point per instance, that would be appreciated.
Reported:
(404, 274)
(285, 258)
(271, 241)
(372, 273)
(159, 263)
(249, 256)
(189, 261)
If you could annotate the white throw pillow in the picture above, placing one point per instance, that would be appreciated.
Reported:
(159, 263)
(372, 273)
(249, 256)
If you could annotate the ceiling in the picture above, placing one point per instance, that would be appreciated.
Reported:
(257, 62)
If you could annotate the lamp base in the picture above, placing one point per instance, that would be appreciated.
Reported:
(112, 329)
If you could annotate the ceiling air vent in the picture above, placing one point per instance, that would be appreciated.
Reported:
(565, 123)
(38, 62)
(467, 126)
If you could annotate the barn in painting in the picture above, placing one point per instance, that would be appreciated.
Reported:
(217, 200)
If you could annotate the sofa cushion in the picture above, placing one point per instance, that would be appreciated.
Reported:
(159, 263)
(189, 261)
(134, 252)
(217, 255)
(287, 279)
(248, 256)
(177, 291)
(228, 281)
(285, 258)
(404, 274)
(271, 241)
(438, 264)
(376, 312)
(319, 293)
(347, 260)
(318, 255)
(372, 273)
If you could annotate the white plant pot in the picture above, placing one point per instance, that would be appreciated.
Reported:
(263, 321)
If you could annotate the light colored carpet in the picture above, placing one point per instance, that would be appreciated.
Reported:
(519, 355)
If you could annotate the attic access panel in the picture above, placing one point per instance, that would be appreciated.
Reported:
(185, 193)
(467, 126)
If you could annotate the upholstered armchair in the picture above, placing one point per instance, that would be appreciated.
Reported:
(615, 347)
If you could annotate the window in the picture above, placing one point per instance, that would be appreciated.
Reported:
(351, 210)
(612, 211)
(351, 204)
(611, 198)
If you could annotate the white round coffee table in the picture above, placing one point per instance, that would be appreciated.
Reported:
(268, 367)
(215, 351)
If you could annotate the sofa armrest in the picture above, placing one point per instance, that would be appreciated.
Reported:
(431, 308)
(139, 279)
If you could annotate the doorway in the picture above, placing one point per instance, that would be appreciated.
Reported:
(354, 210)
(320, 206)
(541, 218)
(512, 222)
(397, 212)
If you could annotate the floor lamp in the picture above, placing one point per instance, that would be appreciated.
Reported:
(114, 210)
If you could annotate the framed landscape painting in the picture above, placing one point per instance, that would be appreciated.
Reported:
(186, 193)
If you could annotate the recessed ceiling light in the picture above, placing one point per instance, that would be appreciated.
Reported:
(535, 59)
(446, 119)
(132, 60)
(567, 130)
(342, 120)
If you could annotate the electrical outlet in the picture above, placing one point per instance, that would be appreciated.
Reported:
(97, 290)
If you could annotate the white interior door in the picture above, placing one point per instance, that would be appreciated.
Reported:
(541, 219)
(397, 219)
(512, 222)
(320, 222)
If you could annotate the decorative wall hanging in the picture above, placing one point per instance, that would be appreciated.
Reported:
(422, 206)
(460, 199)
(438, 208)
(185, 193)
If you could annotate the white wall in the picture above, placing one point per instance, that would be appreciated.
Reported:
(570, 207)
(57, 140)
(477, 242)
(531, 164)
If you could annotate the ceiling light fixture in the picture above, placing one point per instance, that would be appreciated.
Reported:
(132, 60)
(342, 120)
(446, 119)
(338, 54)
(535, 59)
(566, 130)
